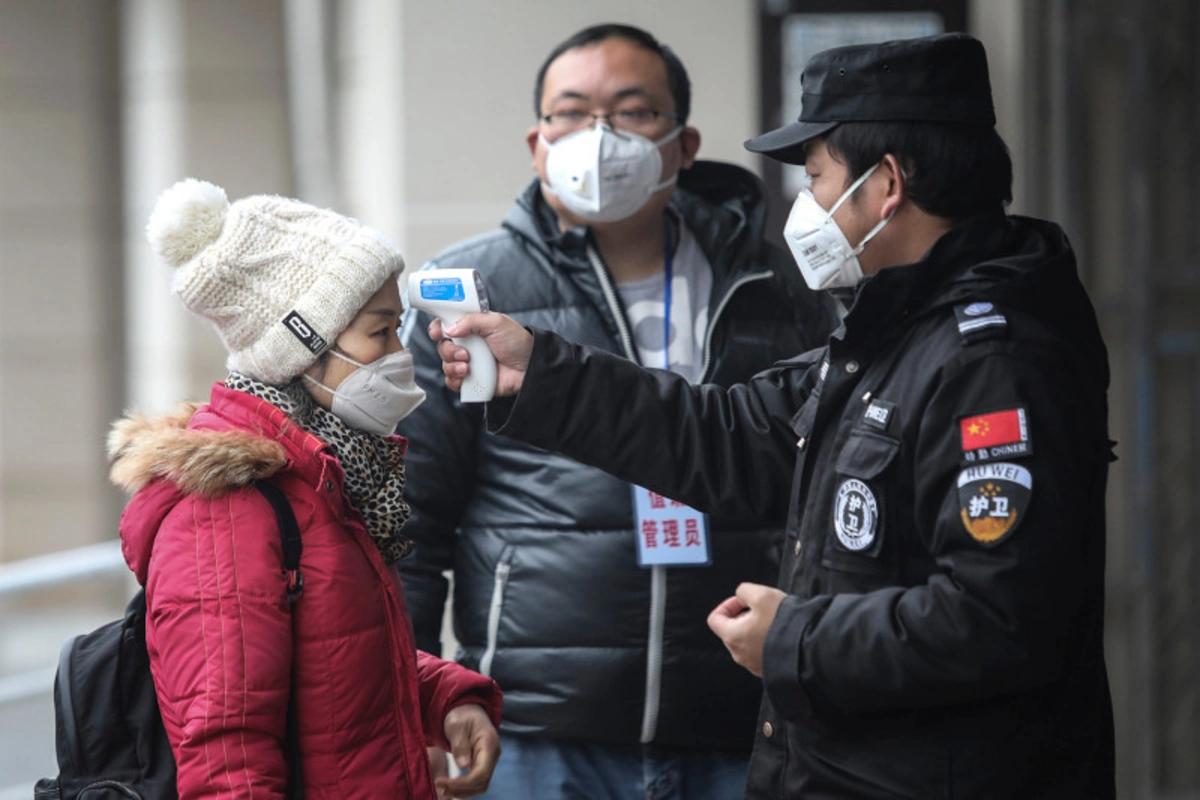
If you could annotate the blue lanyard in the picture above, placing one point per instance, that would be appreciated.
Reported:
(668, 259)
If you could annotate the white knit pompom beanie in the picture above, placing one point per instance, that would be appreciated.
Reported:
(278, 278)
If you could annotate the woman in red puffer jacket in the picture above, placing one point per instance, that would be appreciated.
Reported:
(307, 303)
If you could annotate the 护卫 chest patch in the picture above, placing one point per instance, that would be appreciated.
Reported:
(993, 499)
(855, 515)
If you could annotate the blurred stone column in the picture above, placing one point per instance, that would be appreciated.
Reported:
(372, 114)
(308, 47)
(153, 113)
(1000, 25)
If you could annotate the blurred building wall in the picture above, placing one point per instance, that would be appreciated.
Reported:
(103, 104)
(61, 341)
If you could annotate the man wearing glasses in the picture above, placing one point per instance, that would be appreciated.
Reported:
(937, 629)
(583, 596)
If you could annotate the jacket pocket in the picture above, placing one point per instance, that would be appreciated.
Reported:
(858, 532)
(499, 583)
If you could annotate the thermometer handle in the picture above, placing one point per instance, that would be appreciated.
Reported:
(480, 384)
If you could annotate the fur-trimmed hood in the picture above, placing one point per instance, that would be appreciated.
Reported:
(201, 451)
(204, 462)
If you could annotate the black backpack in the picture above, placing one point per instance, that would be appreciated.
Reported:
(109, 734)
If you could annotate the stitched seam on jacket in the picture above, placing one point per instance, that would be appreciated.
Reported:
(324, 637)
(203, 638)
(237, 588)
(223, 673)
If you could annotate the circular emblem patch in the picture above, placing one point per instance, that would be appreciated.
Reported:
(993, 499)
(855, 515)
(975, 309)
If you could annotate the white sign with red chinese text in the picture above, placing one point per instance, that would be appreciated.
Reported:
(669, 533)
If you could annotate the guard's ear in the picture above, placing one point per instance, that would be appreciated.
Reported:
(896, 187)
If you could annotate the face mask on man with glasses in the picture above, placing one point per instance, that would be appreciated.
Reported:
(605, 172)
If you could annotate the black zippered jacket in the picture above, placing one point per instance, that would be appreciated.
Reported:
(940, 467)
(548, 596)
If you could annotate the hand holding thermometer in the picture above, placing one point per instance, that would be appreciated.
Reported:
(449, 295)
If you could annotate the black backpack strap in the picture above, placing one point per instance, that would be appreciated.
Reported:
(289, 533)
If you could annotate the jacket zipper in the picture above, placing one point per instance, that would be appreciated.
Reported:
(493, 623)
(712, 323)
(610, 296)
(654, 653)
(658, 575)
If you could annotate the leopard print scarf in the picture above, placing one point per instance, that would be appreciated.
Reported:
(374, 467)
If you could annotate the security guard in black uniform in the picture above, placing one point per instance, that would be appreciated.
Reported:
(940, 465)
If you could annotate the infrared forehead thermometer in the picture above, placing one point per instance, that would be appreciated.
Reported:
(449, 295)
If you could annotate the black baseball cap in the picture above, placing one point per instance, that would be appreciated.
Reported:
(939, 79)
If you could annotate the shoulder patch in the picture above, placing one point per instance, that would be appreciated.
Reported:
(978, 321)
(995, 436)
(993, 499)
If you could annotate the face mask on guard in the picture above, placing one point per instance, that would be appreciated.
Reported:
(821, 250)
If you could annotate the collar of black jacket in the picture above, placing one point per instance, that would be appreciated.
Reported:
(897, 293)
(723, 205)
(1019, 263)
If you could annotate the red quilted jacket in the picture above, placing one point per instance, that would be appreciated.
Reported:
(225, 646)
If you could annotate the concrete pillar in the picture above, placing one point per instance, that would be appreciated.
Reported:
(309, 101)
(373, 112)
(999, 24)
(154, 114)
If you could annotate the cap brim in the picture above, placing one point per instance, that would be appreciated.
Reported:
(786, 144)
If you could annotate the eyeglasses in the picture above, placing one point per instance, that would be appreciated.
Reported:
(634, 120)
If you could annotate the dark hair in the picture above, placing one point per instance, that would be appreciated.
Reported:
(953, 171)
(677, 77)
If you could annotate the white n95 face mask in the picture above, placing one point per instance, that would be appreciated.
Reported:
(824, 255)
(602, 175)
(376, 396)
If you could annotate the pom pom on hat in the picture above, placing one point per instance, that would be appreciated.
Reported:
(279, 279)
(187, 218)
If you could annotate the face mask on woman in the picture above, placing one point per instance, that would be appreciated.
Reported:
(602, 175)
(376, 396)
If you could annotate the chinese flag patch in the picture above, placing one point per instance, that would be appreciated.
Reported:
(999, 434)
